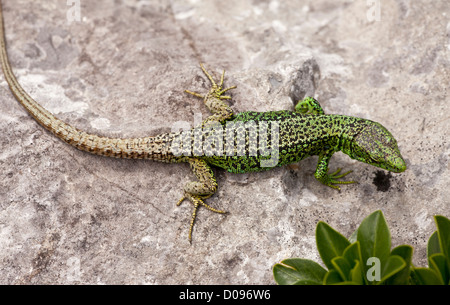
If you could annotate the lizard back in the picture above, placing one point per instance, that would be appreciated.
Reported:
(299, 136)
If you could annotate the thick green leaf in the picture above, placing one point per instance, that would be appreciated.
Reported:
(402, 277)
(306, 282)
(298, 271)
(439, 264)
(356, 275)
(404, 251)
(433, 245)
(353, 255)
(443, 229)
(347, 283)
(353, 237)
(425, 276)
(342, 266)
(330, 243)
(393, 265)
(374, 238)
(332, 277)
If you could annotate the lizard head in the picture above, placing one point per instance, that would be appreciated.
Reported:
(376, 146)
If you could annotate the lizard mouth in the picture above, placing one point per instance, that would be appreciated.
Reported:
(394, 164)
(398, 165)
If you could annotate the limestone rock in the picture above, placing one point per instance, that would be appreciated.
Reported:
(120, 70)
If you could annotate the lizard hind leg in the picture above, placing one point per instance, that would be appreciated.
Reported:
(216, 89)
(196, 192)
(214, 99)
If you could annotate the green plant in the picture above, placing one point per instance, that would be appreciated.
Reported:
(366, 258)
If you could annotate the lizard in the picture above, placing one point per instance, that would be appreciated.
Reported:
(294, 135)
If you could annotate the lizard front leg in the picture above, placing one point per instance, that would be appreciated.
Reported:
(309, 105)
(200, 190)
(322, 175)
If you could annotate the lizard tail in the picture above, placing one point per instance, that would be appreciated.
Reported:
(155, 148)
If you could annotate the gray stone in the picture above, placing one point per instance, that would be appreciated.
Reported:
(68, 217)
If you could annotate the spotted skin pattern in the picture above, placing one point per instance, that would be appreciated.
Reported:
(305, 132)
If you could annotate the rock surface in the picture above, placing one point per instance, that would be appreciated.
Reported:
(68, 217)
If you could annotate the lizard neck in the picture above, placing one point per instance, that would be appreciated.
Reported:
(352, 127)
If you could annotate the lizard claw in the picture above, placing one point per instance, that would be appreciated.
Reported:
(197, 201)
(216, 90)
(331, 179)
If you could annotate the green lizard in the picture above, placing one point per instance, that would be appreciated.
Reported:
(238, 143)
